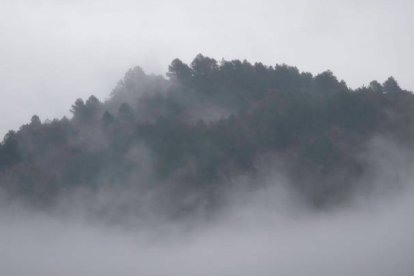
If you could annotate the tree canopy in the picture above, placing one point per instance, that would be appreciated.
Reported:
(206, 123)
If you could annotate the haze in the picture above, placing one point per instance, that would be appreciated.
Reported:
(53, 52)
(252, 239)
(223, 167)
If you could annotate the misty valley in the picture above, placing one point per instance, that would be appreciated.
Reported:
(218, 168)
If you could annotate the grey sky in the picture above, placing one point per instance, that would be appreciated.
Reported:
(52, 52)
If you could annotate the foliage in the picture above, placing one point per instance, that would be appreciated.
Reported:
(205, 124)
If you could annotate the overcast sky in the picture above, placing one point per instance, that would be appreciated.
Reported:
(54, 51)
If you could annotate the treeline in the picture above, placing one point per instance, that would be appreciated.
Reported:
(205, 124)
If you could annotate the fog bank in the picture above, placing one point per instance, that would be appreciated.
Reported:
(253, 239)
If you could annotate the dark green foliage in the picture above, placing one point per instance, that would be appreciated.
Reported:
(108, 119)
(9, 151)
(179, 71)
(208, 122)
(391, 86)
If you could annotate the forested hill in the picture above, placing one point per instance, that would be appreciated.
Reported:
(203, 126)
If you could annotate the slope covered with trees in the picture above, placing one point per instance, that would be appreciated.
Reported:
(189, 135)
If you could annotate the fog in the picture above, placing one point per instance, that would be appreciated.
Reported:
(373, 241)
(53, 52)
(63, 212)
(268, 231)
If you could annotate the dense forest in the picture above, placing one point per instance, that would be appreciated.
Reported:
(189, 136)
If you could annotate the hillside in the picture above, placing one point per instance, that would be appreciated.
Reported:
(190, 138)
